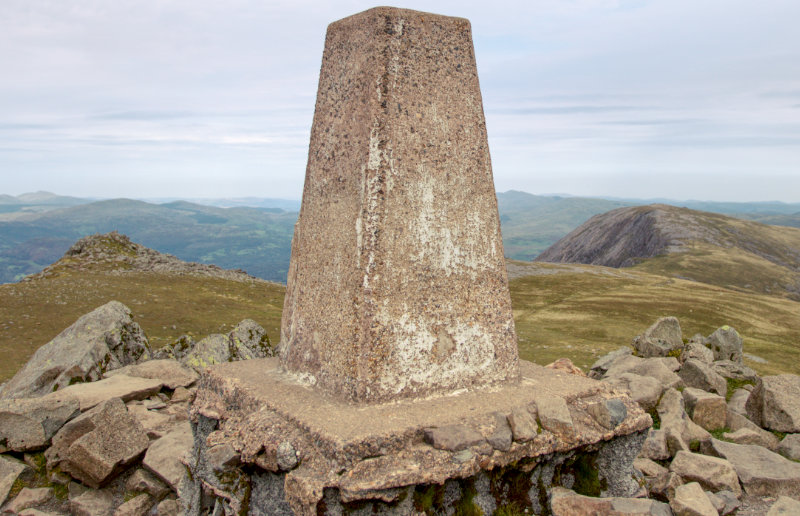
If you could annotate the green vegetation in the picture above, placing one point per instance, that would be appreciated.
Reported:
(734, 384)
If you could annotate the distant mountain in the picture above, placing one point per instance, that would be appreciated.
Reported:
(707, 247)
(268, 203)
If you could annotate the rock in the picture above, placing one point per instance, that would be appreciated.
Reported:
(154, 403)
(248, 340)
(775, 403)
(737, 422)
(707, 410)
(680, 431)
(565, 502)
(92, 503)
(137, 506)
(164, 455)
(168, 507)
(155, 424)
(726, 344)
(502, 436)
(662, 369)
(760, 471)
(700, 376)
(554, 415)
(735, 370)
(738, 400)
(99, 444)
(785, 506)
(287, 456)
(698, 351)
(171, 373)
(789, 447)
(37, 512)
(649, 468)
(28, 498)
(453, 437)
(663, 487)
(599, 368)
(744, 436)
(523, 424)
(729, 500)
(30, 423)
(566, 365)
(644, 390)
(713, 473)
(655, 446)
(121, 386)
(181, 395)
(10, 471)
(691, 500)
(142, 481)
(660, 339)
(104, 339)
(609, 413)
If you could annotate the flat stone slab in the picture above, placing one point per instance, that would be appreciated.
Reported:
(125, 387)
(382, 446)
(165, 454)
(171, 373)
(761, 471)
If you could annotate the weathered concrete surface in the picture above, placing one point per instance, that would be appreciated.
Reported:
(397, 285)
(366, 451)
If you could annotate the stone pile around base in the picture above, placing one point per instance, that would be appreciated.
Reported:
(719, 427)
(91, 425)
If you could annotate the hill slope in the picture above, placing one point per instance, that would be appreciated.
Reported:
(679, 242)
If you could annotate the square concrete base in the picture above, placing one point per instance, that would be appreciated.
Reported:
(254, 421)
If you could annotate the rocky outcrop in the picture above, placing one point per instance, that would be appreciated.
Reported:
(661, 339)
(104, 339)
(760, 471)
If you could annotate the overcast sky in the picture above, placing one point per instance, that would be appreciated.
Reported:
(685, 99)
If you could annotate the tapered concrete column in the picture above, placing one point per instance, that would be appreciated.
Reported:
(397, 285)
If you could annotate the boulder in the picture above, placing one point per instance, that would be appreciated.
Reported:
(92, 503)
(744, 436)
(785, 506)
(737, 422)
(125, 387)
(660, 339)
(554, 415)
(644, 390)
(29, 423)
(735, 370)
(775, 403)
(662, 369)
(104, 339)
(453, 437)
(699, 375)
(609, 413)
(565, 502)
(680, 431)
(738, 401)
(760, 471)
(728, 502)
(713, 473)
(655, 446)
(99, 444)
(707, 410)
(169, 507)
(691, 500)
(601, 366)
(10, 471)
(171, 373)
(137, 506)
(649, 468)
(523, 424)
(155, 424)
(249, 335)
(248, 340)
(663, 486)
(502, 436)
(28, 498)
(726, 343)
(142, 481)
(698, 351)
(789, 447)
(163, 458)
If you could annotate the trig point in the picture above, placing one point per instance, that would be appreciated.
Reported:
(399, 389)
(397, 285)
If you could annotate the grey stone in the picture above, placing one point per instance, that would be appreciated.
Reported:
(139, 505)
(164, 455)
(453, 437)
(142, 481)
(615, 465)
(663, 486)
(10, 471)
(726, 343)
(655, 447)
(707, 410)
(649, 468)
(126, 388)
(251, 340)
(30, 423)
(92, 503)
(697, 351)
(267, 496)
(554, 415)
(644, 390)
(662, 369)
(738, 400)
(760, 471)
(564, 502)
(221, 457)
(171, 373)
(523, 424)
(154, 423)
(104, 339)
(501, 437)
(785, 506)
(99, 444)
(660, 339)
(691, 500)
(735, 370)
(168, 507)
(744, 436)
(602, 364)
(737, 421)
(463, 456)
(731, 502)
(680, 431)
(609, 413)
(775, 403)
(247, 341)
(287, 456)
(28, 498)
(713, 473)
(700, 376)
(789, 447)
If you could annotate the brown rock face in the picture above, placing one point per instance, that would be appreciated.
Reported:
(397, 285)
